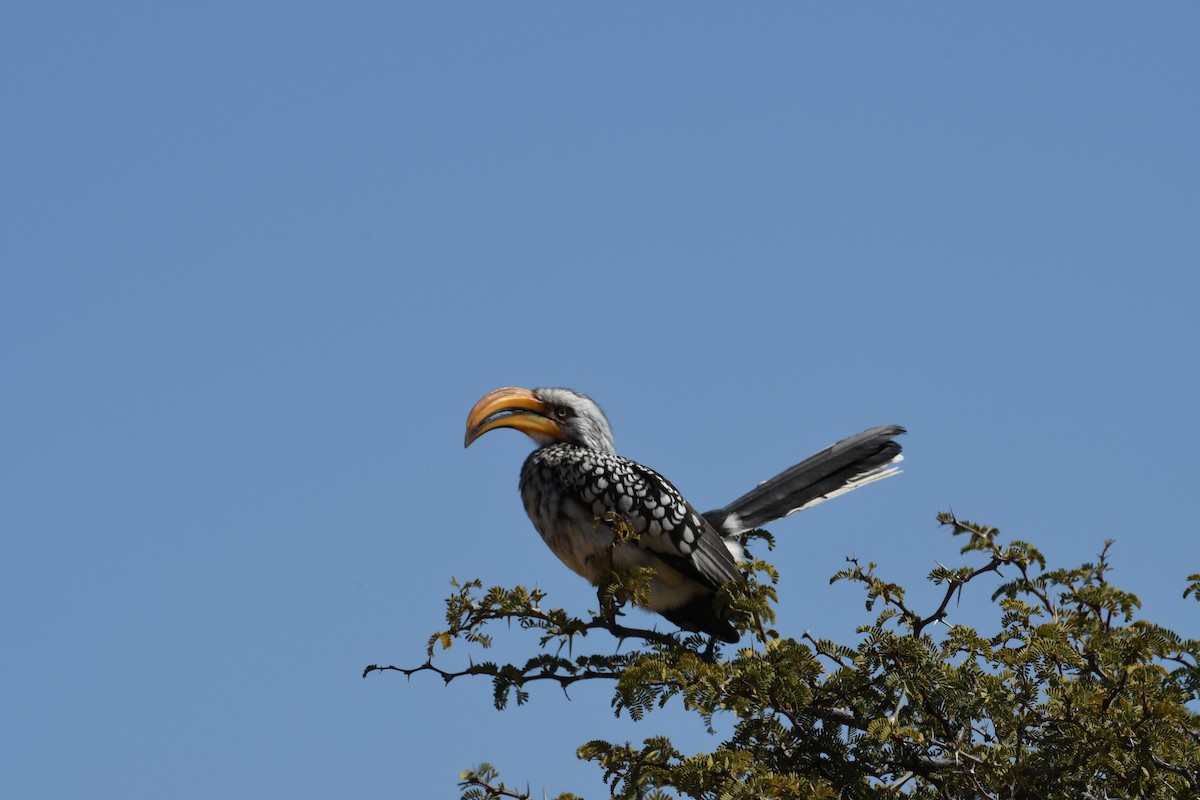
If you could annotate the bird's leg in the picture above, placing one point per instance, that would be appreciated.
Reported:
(610, 604)
(609, 594)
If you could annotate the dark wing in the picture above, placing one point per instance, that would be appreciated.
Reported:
(668, 526)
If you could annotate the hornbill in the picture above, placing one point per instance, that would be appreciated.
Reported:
(575, 479)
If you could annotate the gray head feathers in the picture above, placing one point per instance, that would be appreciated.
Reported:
(581, 420)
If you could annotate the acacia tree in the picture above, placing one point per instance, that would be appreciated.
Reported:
(1068, 696)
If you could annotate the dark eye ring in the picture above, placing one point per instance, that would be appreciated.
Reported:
(562, 412)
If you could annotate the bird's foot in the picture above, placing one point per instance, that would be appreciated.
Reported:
(610, 603)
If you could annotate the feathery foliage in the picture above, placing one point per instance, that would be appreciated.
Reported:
(1068, 696)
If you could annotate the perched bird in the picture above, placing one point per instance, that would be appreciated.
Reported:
(574, 481)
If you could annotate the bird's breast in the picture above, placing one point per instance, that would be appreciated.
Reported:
(571, 494)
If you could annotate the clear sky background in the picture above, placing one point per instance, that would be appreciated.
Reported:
(257, 262)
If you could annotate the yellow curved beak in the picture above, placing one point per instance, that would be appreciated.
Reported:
(511, 407)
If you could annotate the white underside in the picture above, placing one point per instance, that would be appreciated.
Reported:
(588, 550)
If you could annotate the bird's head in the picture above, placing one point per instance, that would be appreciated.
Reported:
(545, 415)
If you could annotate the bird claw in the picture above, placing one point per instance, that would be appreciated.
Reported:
(610, 607)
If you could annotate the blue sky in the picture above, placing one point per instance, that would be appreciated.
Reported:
(259, 260)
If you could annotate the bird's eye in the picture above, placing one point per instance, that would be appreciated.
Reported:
(562, 412)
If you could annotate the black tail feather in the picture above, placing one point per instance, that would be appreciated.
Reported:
(846, 465)
(698, 614)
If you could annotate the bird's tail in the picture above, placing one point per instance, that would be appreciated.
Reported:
(853, 462)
